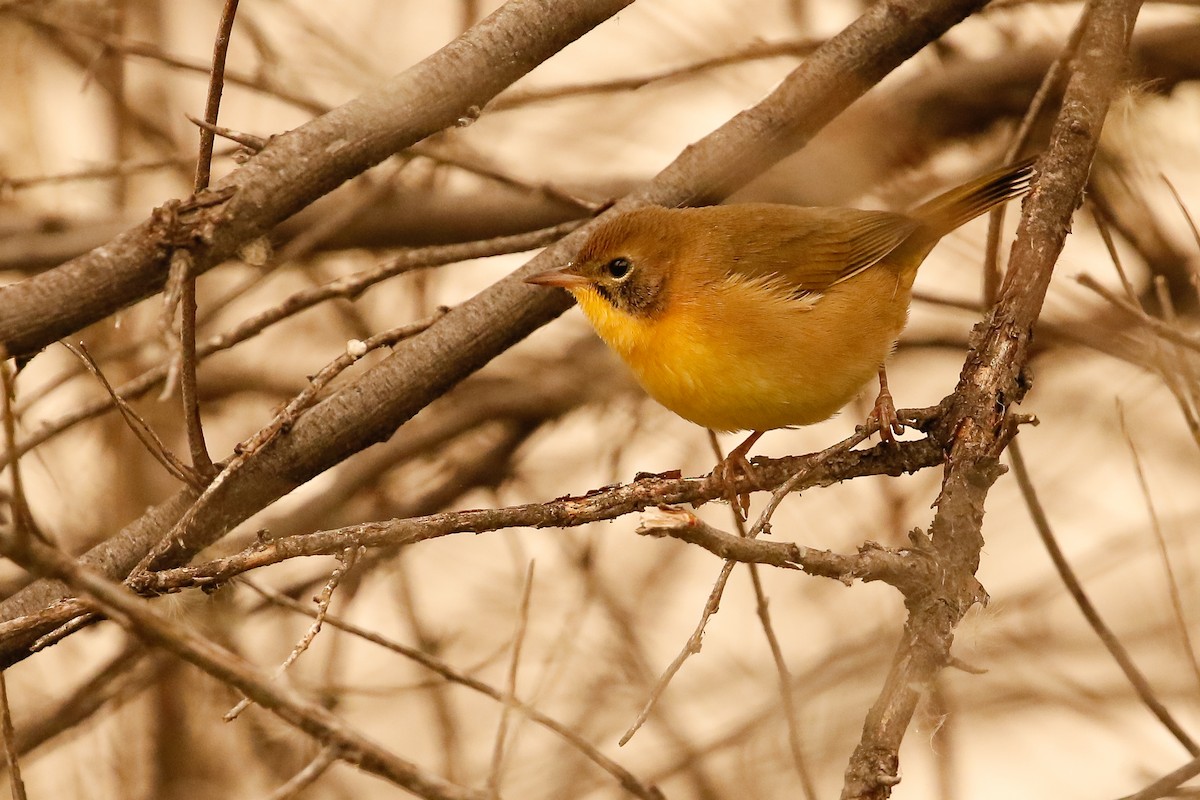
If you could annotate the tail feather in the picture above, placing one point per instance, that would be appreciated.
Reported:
(962, 204)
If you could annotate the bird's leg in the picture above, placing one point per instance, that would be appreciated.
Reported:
(735, 466)
(884, 412)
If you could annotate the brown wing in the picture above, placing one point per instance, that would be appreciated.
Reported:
(811, 248)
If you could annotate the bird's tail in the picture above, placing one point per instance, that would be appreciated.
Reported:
(964, 203)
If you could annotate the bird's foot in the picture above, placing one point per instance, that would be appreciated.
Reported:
(735, 468)
(883, 416)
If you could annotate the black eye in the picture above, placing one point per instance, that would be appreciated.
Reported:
(618, 268)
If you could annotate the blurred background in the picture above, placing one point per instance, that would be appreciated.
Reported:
(94, 136)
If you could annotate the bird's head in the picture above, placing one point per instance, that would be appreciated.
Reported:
(627, 263)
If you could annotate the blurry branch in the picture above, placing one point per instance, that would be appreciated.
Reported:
(128, 47)
(1169, 572)
(1130, 308)
(1122, 203)
(1120, 655)
(306, 777)
(520, 98)
(154, 629)
(400, 217)
(149, 126)
(346, 288)
(131, 670)
(99, 172)
(625, 778)
(967, 96)
(280, 180)
(979, 422)
(1167, 785)
(8, 736)
(496, 772)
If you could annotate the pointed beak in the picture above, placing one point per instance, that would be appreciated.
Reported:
(561, 277)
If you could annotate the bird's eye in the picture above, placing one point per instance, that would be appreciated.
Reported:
(618, 268)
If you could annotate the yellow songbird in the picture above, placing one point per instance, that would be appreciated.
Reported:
(757, 316)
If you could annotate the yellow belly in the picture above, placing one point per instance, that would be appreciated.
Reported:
(747, 357)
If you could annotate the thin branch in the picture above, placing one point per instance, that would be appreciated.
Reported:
(510, 686)
(1135, 312)
(521, 98)
(306, 777)
(15, 783)
(24, 525)
(345, 562)
(141, 429)
(1165, 786)
(603, 504)
(625, 778)
(1136, 679)
(182, 261)
(1180, 616)
(150, 626)
(119, 678)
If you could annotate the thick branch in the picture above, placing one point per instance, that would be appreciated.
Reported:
(980, 422)
(301, 165)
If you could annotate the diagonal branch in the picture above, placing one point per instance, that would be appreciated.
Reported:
(301, 165)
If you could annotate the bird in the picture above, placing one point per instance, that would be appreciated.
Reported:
(757, 316)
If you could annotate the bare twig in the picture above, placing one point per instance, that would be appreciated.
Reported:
(1136, 679)
(141, 429)
(225, 666)
(248, 141)
(345, 562)
(15, 783)
(201, 461)
(24, 525)
(212, 102)
(1155, 325)
(1165, 786)
(1180, 616)
(518, 98)
(510, 686)
(609, 503)
(626, 779)
(306, 777)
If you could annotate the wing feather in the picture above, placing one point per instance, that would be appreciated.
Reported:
(811, 249)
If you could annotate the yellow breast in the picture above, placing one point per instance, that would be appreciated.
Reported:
(746, 355)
